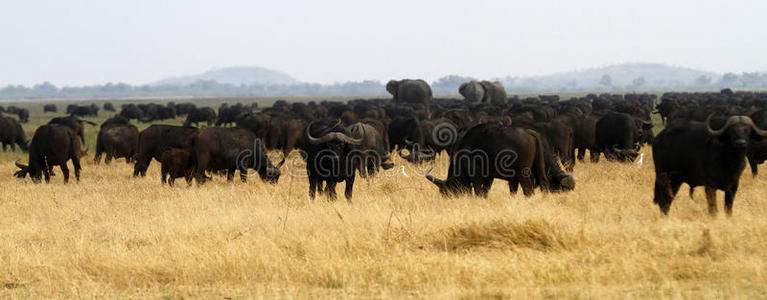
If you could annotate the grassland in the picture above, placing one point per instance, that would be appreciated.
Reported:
(114, 236)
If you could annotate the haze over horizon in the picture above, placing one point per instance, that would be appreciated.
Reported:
(90, 42)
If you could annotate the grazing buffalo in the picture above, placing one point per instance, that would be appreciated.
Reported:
(205, 114)
(584, 137)
(154, 140)
(176, 163)
(74, 123)
(50, 108)
(23, 114)
(12, 134)
(617, 136)
(430, 137)
(694, 153)
(230, 150)
(108, 106)
(517, 155)
(117, 138)
(52, 145)
(329, 157)
(131, 111)
(183, 109)
(82, 110)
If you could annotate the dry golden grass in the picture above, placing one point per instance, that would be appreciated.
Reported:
(114, 236)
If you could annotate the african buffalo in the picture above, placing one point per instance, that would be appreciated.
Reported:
(117, 138)
(231, 149)
(155, 139)
(12, 134)
(49, 108)
(52, 145)
(205, 114)
(176, 163)
(329, 156)
(694, 153)
(617, 136)
(517, 155)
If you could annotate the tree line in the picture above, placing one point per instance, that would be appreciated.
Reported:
(444, 85)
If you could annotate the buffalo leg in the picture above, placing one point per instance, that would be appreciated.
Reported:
(581, 154)
(76, 165)
(513, 186)
(13, 147)
(5, 147)
(665, 190)
(230, 175)
(729, 198)
(47, 174)
(142, 164)
(243, 174)
(312, 187)
(711, 199)
(108, 159)
(171, 180)
(65, 171)
(330, 190)
(754, 166)
(349, 188)
(528, 188)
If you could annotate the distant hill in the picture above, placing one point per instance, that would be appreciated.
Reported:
(235, 76)
(621, 76)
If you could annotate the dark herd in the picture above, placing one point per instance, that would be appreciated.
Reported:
(532, 143)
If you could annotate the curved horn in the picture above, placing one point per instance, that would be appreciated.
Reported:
(349, 140)
(279, 165)
(86, 149)
(320, 140)
(438, 182)
(18, 164)
(716, 133)
(760, 132)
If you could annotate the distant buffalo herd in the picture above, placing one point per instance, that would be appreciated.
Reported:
(532, 143)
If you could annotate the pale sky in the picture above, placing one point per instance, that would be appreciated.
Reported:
(94, 42)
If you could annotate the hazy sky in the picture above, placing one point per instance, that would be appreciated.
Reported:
(89, 42)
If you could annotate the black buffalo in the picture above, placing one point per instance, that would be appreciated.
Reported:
(108, 106)
(230, 150)
(82, 110)
(694, 153)
(517, 155)
(155, 139)
(205, 114)
(329, 153)
(618, 136)
(52, 145)
(12, 134)
(176, 163)
(50, 108)
(117, 138)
